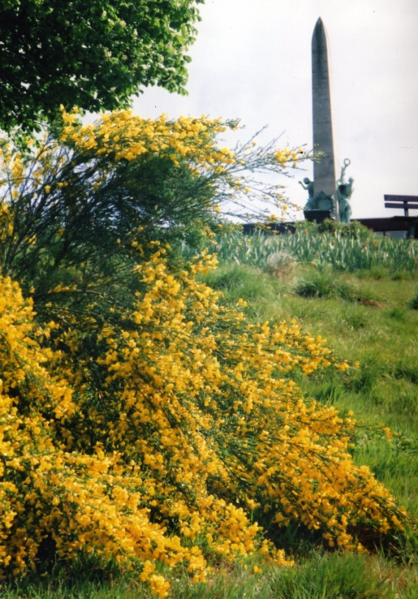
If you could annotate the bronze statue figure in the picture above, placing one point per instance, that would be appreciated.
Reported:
(344, 191)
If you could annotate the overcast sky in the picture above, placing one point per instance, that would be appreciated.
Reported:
(252, 61)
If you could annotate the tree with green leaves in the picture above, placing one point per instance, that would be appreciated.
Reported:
(93, 55)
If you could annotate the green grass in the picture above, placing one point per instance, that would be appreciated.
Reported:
(332, 576)
(413, 304)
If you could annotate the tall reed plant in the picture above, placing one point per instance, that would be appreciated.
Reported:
(335, 248)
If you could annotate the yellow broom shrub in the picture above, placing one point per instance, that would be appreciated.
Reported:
(159, 445)
(140, 420)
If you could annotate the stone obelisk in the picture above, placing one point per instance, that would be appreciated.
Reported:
(324, 171)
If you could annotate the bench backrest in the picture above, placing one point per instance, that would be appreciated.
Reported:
(405, 202)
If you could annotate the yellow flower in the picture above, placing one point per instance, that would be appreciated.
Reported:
(256, 569)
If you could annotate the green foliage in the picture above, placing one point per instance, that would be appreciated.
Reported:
(354, 229)
(242, 281)
(328, 285)
(414, 302)
(258, 289)
(339, 248)
(93, 55)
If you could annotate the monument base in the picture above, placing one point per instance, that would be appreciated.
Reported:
(318, 216)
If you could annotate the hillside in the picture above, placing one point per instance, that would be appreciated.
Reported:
(369, 318)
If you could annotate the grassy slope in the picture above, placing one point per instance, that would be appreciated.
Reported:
(367, 317)
(374, 326)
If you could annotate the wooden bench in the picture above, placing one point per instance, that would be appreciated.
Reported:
(407, 203)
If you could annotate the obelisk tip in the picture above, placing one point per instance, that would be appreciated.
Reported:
(319, 36)
(319, 24)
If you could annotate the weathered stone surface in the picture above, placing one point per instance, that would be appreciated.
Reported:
(324, 171)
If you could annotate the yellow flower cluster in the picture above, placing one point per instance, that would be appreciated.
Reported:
(196, 424)
(6, 222)
(287, 155)
(44, 174)
(120, 135)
